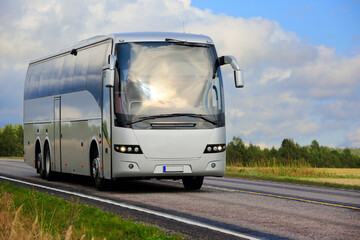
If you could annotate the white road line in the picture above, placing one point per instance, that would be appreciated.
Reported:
(140, 209)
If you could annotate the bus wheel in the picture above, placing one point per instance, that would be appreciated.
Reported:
(192, 183)
(95, 172)
(49, 173)
(40, 166)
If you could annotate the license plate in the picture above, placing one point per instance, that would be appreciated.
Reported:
(173, 169)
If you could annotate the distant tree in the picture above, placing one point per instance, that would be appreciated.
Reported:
(1, 143)
(315, 155)
(235, 152)
(347, 159)
(19, 140)
(11, 141)
(315, 146)
(287, 151)
(253, 155)
(8, 140)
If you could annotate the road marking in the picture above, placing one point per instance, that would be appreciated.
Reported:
(140, 209)
(283, 197)
(272, 195)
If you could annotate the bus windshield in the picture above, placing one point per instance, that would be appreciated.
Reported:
(167, 81)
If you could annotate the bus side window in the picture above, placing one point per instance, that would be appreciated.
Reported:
(67, 74)
(34, 82)
(54, 83)
(44, 79)
(27, 83)
(94, 71)
(81, 67)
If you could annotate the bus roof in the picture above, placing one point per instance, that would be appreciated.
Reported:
(161, 37)
(133, 37)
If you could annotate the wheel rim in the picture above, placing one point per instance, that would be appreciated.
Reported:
(95, 167)
(47, 162)
(39, 161)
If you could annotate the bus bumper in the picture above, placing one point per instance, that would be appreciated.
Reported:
(132, 165)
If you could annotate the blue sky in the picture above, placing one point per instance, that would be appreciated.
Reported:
(301, 59)
(332, 23)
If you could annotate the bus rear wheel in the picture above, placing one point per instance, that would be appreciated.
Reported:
(48, 172)
(193, 183)
(39, 166)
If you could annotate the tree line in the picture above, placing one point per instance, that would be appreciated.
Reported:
(11, 140)
(290, 154)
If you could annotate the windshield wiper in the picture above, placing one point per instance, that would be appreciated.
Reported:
(172, 115)
(185, 43)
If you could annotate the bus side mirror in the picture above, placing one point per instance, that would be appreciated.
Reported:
(109, 71)
(239, 78)
(238, 73)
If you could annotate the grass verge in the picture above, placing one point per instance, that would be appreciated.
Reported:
(28, 214)
(326, 177)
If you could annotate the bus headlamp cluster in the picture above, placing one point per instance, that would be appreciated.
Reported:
(133, 149)
(215, 148)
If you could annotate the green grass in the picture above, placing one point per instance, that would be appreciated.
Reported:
(307, 176)
(56, 217)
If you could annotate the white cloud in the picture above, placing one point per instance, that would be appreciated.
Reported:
(235, 113)
(274, 74)
(263, 145)
(354, 138)
(306, 126)
(288, 97)
(292, 88)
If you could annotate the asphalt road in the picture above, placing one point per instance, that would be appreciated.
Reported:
(225, 208)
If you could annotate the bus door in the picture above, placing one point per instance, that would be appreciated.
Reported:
(106, 130)
(57, 134)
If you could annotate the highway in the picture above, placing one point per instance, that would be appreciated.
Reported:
(225, 208)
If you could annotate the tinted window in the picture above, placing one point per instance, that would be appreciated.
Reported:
(67, 74)
(54, 83)
(33, 89)
(94, 73)
(81, 66)
(27, 83)
(44, 79)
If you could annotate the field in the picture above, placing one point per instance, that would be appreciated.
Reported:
(27, 214)
(333, 177)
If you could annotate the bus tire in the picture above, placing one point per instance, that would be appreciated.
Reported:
(193, 183)
(95, 172)
(48, 172)
(40, 166)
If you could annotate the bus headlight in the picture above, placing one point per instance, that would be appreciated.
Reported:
(132, 149)
(215, 148)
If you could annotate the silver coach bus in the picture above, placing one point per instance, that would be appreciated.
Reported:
(137, 105)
